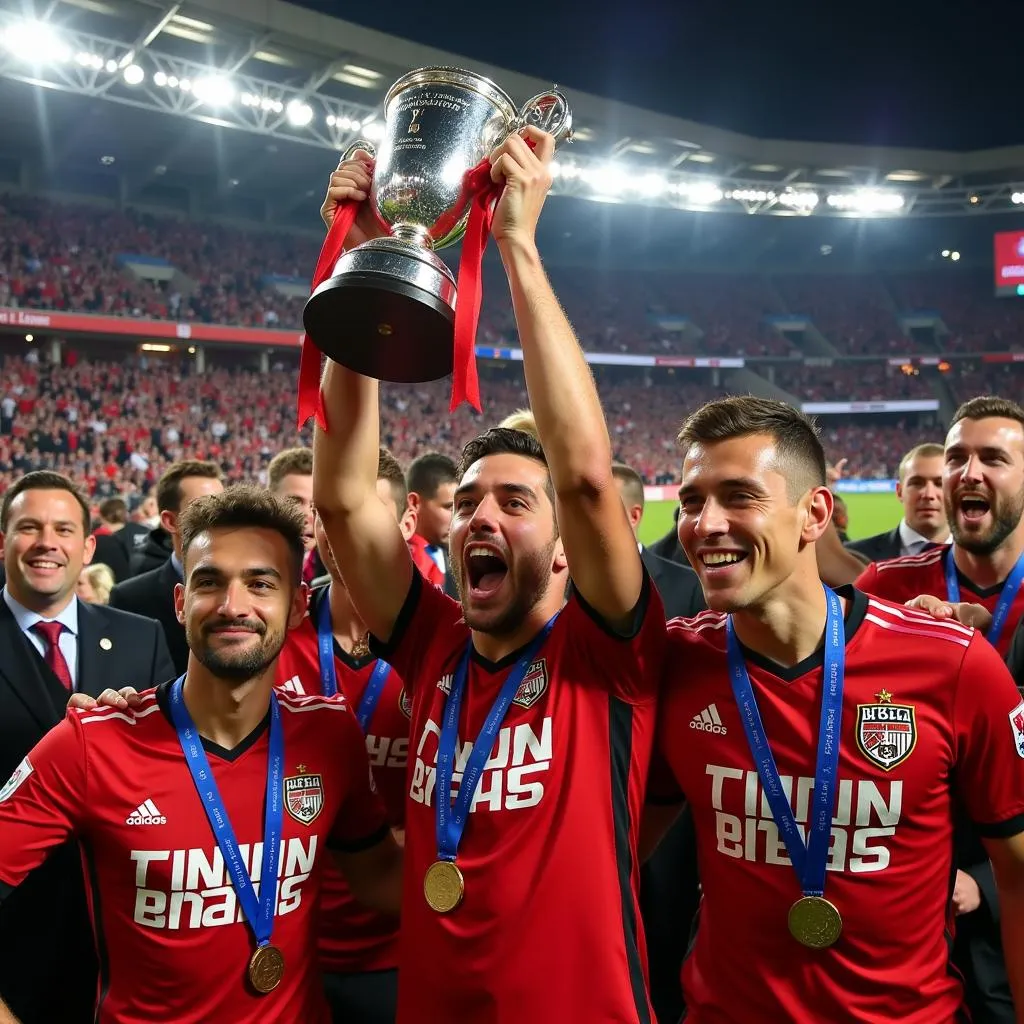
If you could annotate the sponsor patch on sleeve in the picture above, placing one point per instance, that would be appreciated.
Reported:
(25, 769)
(1017, 725)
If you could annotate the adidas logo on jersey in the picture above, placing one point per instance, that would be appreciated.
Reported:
(146, 814)
(709, 721)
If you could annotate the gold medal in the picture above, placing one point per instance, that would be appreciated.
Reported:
(266, 968)
(443, 886)
(815, 922)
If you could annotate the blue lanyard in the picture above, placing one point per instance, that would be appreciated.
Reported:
(809, 861)
(259, 911)
(450, 819)
(1006, 596)
(329, 672)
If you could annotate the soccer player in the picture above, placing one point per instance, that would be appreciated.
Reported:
(186, 807)
(520, 898)
(431, 484)
(818, 738)
(328, 654)
(983, 494)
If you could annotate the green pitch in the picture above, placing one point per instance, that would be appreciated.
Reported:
(869, 514)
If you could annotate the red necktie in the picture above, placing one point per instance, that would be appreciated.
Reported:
(54, 656)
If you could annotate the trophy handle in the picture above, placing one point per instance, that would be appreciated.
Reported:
(550, 112)
(359, 144)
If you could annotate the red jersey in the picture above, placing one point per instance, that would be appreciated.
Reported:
(549, 849)
(421, 559)
(172, 941)
(353, 937)
(903, 579)
(925, 702)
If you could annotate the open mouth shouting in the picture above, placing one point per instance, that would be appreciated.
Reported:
(973, 508)
(484, 569)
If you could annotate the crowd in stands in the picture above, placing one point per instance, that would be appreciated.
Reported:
(65, 257)
(851, 382)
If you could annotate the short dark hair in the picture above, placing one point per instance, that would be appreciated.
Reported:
(986, 407)
(243, 506)
(168, 487)
(795, 435)
(45, 480)
(504, 441)
(428, 472)
(390, 469)
(928, 450)
(114, 510)
(632, 482)
(290, 462)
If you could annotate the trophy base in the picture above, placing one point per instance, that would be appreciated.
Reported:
(388, 312)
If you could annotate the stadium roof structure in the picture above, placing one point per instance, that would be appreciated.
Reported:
(295, 83)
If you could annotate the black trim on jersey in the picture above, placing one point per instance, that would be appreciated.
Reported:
(1001, 829)
(356, 664)
(93, 881)
(637, 614)
(856, 609)
(358, 845)
(163, 698)
(967, 584)
(380, 648)
(620, 721)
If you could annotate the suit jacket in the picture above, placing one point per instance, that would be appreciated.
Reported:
(669, 548)
(48, 969)
(112, 552)
(152, 595)
(157, 549)
(678, 585)
(880, 547)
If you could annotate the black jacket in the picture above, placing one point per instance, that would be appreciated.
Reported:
(678, 585)
(157, 549)
(880, 547)
(152, 595)
(48, 968)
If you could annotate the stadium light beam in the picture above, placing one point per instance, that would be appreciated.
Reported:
(299, 113)
(213, 90)
(36, 42)
(134, 75)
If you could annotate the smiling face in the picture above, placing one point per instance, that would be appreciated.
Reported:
(238, 600)
(504, 546)
(44, 548)
(983, 482)
(741, 528)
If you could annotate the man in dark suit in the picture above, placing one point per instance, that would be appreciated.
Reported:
(54, 644)
(919, 489)
(669, 885)
(118, 539)
(152, 593)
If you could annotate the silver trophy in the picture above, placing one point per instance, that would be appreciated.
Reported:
(388, 310)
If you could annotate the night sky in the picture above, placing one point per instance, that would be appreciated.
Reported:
(906, 73)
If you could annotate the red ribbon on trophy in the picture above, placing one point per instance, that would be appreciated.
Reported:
(465, 382)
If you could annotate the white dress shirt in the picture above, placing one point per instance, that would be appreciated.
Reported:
(912, 542)
(68, 641)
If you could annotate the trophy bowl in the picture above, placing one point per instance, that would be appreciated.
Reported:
(388, 309)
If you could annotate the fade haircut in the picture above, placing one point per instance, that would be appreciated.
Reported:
(521, 419)
(632, 484)
(242, 507)
(168, 487)
(928, 450)
(504, 441)
(389, 468)
(428, 472)
(987, 407)
(290, 462)
(44, 480)
(800, 454)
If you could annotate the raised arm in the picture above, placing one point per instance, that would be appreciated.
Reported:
(366, 540)
(603, 558)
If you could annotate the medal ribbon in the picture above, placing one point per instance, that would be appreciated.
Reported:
(808, 860)
(329, 672)
(1007, 595)
(258, 910)
(450, 819)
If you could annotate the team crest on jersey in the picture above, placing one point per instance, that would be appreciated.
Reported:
(405, 703)
(1016, 724)
(886, 732)
(534, 683)
(21, 773)
(304, 796)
